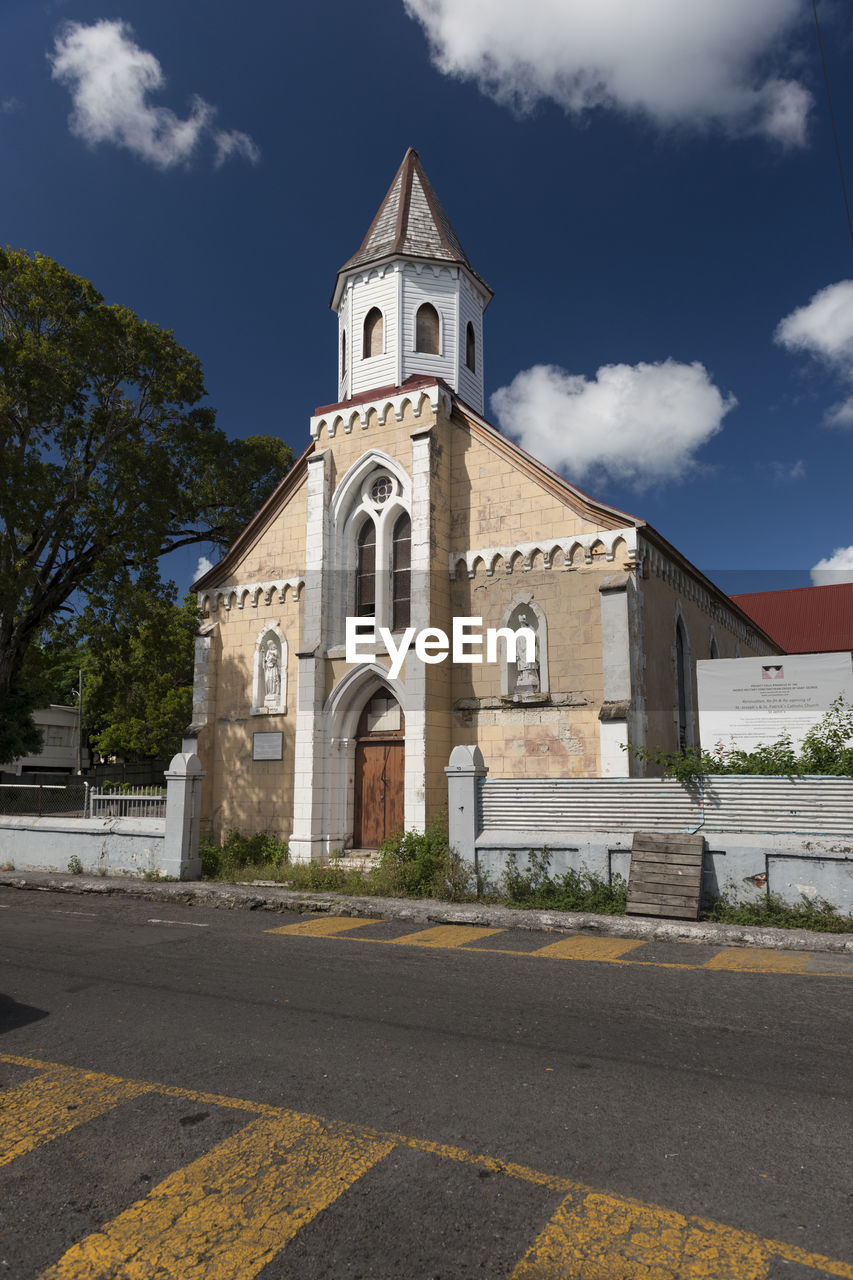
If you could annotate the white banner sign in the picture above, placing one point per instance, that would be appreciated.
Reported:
(747, 701)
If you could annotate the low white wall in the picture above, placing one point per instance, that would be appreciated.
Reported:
(792, 837)
(110, 846)
(746, 866)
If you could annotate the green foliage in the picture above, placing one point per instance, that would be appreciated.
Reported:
(238, 852)
(110, 459)
(827, 749)
(534, 886)
(421, 864)
(810, 913)
(139, 674)
(75, 866)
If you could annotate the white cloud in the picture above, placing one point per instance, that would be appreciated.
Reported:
(636, 423)
(9, 106)
(674, 62)
(823, 328)
(835, 568)
(111, 78)
(204, 566)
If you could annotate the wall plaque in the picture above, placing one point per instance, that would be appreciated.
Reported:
(267, 746)
(747, 701)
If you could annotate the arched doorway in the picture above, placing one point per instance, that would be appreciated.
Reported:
(378, 809)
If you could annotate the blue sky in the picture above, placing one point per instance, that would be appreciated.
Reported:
(650, 189)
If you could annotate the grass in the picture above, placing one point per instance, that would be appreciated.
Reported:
(423, 865)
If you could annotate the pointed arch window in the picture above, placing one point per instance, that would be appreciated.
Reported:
(374, 334)
(365, 588)
(401, 573)
(426, 330)
(470, 348)
(344, 353)
(682, 676)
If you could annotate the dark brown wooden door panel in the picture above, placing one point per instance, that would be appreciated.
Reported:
(378, 792)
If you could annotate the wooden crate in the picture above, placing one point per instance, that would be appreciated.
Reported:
(666, 875)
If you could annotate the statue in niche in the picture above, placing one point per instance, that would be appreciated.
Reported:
(272, 674)
(526, 670)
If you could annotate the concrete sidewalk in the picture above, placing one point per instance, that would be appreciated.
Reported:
(266, 897)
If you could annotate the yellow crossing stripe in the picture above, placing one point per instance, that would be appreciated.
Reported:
(572, 947)
(608, 1238)
(758, 960)
(324, 927)
(446, 935)
(227, 1214)
(581, 948)
(42, 1109)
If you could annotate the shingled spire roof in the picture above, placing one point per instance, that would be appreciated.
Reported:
(411, 222)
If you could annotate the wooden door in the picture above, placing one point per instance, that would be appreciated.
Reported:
(379, 773)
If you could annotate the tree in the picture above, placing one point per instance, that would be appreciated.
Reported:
(110, 459)
(138, 675)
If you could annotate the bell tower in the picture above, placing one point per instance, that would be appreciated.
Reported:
(409, 302)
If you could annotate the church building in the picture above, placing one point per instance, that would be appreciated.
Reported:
(409, 508)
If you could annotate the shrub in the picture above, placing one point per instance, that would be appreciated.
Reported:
(827, 749)
(421, 864)
(572, 891)
(809, 913)
(261, 850)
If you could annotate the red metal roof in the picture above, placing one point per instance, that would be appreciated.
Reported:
(804, 619)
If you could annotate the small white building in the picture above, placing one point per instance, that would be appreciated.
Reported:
(61, 727)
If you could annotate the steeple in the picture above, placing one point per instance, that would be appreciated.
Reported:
(409, 301)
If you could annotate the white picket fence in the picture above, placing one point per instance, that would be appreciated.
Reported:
(137, 802)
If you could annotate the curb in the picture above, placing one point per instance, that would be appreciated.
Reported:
(255, 897)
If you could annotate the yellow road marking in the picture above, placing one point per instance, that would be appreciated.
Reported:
(584, 948)
(40, 1110)
(758, 960)
(571, 947)
(226, 1215)
(608, 1238)
(629, 1218)
(327, 927)
(445, 935)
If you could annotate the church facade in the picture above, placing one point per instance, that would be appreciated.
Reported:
(409, 509)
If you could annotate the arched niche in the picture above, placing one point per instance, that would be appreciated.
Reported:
(525, 680)
(269, 672)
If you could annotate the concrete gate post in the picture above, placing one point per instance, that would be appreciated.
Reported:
(183, 814)
(465, 767)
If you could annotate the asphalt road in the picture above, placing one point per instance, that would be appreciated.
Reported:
(484, 1113)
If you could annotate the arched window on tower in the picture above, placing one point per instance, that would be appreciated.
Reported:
(344, 353)
(426, 330)
(470, 348)
(402, 573)
(373, 334)
(682, 676)
(365, 587)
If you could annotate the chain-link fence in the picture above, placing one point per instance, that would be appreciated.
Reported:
(36, 801)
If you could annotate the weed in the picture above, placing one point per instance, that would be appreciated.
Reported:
(571, 891)
(810, 913)
(75, 866)
(237, 852)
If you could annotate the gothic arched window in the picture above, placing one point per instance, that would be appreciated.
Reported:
(373, 334)
(365, 587)
(343, 353)
(682, 677)
(401, 560)
(470, 348)
(426, 330)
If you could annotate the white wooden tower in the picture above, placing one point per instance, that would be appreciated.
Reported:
(409, 302)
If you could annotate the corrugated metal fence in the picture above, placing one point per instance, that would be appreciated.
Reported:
(820, 806)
